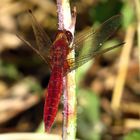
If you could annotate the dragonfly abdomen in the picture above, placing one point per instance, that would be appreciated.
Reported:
(53, 97)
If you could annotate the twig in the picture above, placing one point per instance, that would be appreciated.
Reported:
(67, 21)
(132, 124)
(29, 136)
(130, 108)
(123, 66)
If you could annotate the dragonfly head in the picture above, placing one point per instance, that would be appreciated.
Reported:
(64, 34)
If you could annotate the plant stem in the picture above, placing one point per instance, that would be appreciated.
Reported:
(137, 5)
(123, 66)
(67, 21)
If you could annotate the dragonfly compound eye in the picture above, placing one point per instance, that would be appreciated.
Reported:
(69, 36)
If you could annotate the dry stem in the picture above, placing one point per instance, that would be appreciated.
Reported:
(123, 66)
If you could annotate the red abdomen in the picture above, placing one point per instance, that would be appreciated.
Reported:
(53, 96)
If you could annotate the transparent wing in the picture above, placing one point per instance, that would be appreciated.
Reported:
(84, 35)
(74, 64)
(43, 41)
(46, 59)
(95, 39)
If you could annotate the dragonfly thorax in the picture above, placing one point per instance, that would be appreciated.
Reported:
(60, 50)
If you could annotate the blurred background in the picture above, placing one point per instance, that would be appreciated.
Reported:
(108, 89)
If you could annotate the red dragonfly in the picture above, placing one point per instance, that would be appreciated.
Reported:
(55, 54)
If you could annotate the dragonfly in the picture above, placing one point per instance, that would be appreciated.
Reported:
(55, 55)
